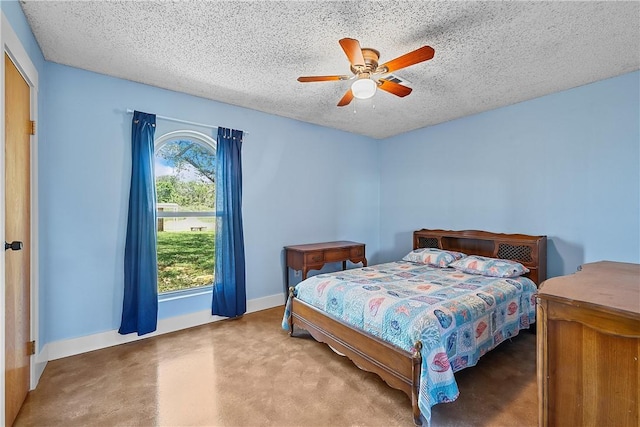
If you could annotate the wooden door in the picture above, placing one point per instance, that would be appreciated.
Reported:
(17, 228)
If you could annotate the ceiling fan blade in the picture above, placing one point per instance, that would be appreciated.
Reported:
(422, 54)
(394, 88)
(352, 48)
(346, 99)
(307, 79)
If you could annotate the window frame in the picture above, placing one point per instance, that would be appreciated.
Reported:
(210, 144)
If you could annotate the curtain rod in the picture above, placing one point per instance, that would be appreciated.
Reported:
(173, 119)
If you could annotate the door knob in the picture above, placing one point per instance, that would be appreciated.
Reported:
(14, 246)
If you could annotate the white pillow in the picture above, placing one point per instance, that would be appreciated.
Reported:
(493, 267)
(433, 256)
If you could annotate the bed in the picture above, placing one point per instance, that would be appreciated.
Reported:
(434, 320)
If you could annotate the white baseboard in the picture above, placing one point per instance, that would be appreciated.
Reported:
(39, 363)
(71, 347)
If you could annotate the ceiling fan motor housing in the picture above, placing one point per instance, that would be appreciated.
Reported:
(371, 58)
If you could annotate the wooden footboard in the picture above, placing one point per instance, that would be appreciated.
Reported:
(398, 368)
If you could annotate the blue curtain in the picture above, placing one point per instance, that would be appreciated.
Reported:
(140, 306)
(229, 291)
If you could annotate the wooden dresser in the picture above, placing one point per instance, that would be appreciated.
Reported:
(588, 347)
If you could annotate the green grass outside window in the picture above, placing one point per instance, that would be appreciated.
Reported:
(185, 259)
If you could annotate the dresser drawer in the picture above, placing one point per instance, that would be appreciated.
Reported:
(311, 257)
(336, 255)
(356, 252)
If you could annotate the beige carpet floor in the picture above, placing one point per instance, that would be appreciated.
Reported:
(249, 372)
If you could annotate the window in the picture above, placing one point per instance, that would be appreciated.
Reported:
(185, 195)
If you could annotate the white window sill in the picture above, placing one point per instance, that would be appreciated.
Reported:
(187, 293)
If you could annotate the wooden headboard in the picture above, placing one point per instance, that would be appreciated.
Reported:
(530, 251)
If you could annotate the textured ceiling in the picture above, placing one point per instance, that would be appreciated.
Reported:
(488, 54)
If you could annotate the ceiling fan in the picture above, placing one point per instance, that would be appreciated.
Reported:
(368, 74)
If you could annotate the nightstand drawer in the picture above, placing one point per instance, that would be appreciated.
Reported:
(356, 252)
(336, 255)
(314, 257)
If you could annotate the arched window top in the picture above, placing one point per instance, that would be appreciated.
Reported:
(191, 135)
(187, 153)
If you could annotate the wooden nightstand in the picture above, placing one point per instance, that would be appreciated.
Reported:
(314, 256)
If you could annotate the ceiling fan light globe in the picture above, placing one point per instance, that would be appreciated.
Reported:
(363, 88)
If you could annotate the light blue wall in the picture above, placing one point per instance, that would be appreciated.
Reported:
(565, 165)
(301, 183)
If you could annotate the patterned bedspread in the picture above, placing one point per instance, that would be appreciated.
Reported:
(458, 317)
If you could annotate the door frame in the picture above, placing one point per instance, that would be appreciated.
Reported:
(12, 46)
